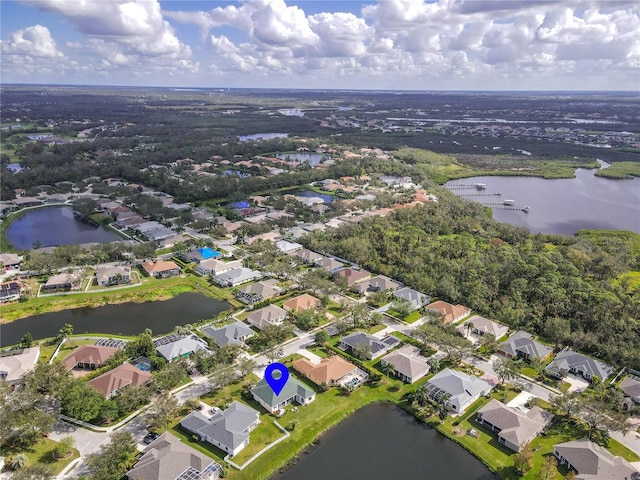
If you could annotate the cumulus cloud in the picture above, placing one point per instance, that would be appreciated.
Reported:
(35, 41)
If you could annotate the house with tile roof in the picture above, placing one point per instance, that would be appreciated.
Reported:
(329, 371)
(381, 283)
(456, 389)
(269, 315)
(227, 429)
(89, 357)
(307, 256)
(592, 462)
(16, 363)
(161, 269)
(353, 276)
(300, 303)
(122, 376)
(450, 313)
(407, 363)
(568, 361)
(521, 344)
(328, 264)
(235, 333)
(167, 458)
(293, 391)
(515, 428)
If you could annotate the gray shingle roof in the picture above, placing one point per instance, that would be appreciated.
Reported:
(167, 458)
(184, 346)
(375, 344)
(521, 341)
(416, 298)
(229, 334)
(408, 362)
(458, 385)
(594, 462)
(515, 426)
(229, 427)
(568, 359)
(292, 388)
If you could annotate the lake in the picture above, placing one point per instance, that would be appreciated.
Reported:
(262, 136)
(119, 319)
(562, 206)
(381, 442)
(53, 226)
(310, 158)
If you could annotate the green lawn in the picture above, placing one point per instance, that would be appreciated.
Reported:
(265, 434)
(413, 317)
(41, 453)
(319, 351)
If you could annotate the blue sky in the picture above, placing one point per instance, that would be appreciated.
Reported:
(382, 44)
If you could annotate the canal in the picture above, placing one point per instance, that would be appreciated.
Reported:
(119, 319)
(382, 442)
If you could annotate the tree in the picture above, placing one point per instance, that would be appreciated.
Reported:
(37, 471)
(434, 363)
(522, 459)
(557, 329)
(113, 459)
(571, 475)
(402, 306)
(321, 337)
(171, 376)
(18, 461)
(161, 411)
(505, 368)
(246, 365)
(601, 415)
(80, 401)
(26, 341)
(184, 330)
(306, 319)
(468, 325)
(362, 351)
(23, 419)
(388, 369)
(567, 403)
(549, 469)
(222, 377)
(65, 332)
(64, 447)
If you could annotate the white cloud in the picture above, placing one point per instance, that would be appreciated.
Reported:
(35, 41)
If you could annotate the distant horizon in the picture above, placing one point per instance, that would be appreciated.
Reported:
(301, 89)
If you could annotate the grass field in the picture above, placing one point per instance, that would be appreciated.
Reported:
(41, 453)
(620, 170)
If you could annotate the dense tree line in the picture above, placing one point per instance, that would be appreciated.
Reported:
(453, 251)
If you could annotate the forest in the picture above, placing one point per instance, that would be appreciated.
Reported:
(572, 290)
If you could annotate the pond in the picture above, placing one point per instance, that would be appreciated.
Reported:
(310, 158)
(262, 136)
(119, 319)
(53, 226)
(382, 441)
(561, 206)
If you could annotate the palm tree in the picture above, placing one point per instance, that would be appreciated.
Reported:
(388, 369)
(468, 326)
(19, 461)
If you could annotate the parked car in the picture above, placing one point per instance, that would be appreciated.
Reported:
(150, 437)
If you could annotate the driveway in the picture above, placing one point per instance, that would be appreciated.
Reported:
(578, 384)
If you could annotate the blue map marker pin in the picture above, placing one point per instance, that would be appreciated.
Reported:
(276, 384)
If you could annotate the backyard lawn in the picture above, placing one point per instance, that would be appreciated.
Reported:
(41, 452)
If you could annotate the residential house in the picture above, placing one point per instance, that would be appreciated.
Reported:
(10, 261)
(271, 236)
(456, 389)
(328, 264)
(293, 391)
(376, 346)
(300, 303)
(233, 334)
(287, 247)
(16, 363)
(182, 348)
(380, 283)
(122, 376)
(89, 357)
(200, 254)
(9, 291)
(259, 291)
(450, 313)
(237, 276)
(167, 458)
(407, 363)
(568, 361)
(60, 283)
(631, 388)
(227, 429)
(117, 275)
(481, 326)
(353, 276)
(269, 315)
(593, 462)
(329, 371)
(161, 269)
(515, 428)
(216, 267)
(307, 256)
(417, 299)
(521, 344)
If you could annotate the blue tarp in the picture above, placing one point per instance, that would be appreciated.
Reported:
(208, 252)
